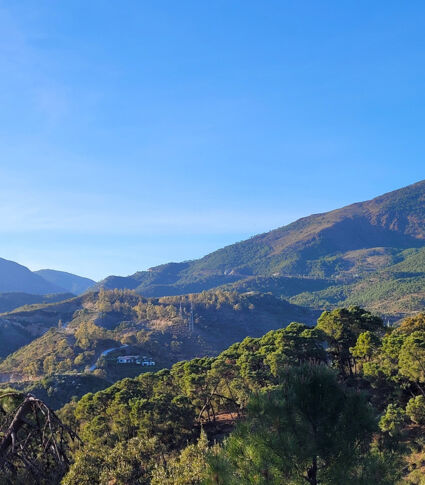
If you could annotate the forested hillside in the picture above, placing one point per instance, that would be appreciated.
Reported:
(342, 402)
(323, 260)
(398, 288)
(76, 332)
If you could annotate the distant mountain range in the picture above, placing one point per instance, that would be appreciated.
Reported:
(70, 282)
(368, 253)
(17, 278)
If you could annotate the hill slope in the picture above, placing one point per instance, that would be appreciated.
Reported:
(336, 248)
(96, 322)
(24, 324)
(73, 283)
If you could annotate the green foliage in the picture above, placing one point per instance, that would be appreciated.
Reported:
(169, 405)
(342, 328)
(309, 429)
(412, 358)
(129, 462)
(412, 324)
(301, 420)
(294, 393)
(366, 346)
(415, 409)
(382, 366)
(189, 467)
(392, 420)
(54, 352)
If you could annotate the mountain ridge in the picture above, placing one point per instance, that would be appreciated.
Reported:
(71, 282)
(338, 245)
(17, 278)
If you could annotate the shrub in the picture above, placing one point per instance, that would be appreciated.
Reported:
(415, 409)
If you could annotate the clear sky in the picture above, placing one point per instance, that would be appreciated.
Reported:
(133, 133)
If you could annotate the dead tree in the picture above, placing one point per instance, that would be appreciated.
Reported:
(33, 441)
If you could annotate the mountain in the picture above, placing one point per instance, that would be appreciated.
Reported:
(70, 282)
(17, 278)
(331, 251)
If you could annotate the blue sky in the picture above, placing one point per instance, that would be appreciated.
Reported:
(135, 133)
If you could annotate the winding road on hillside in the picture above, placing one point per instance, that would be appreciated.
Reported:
(106, 352)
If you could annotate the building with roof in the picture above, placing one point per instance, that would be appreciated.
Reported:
(135, 359)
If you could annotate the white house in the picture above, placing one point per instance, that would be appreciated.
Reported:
(127, 359)
(135, 359)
